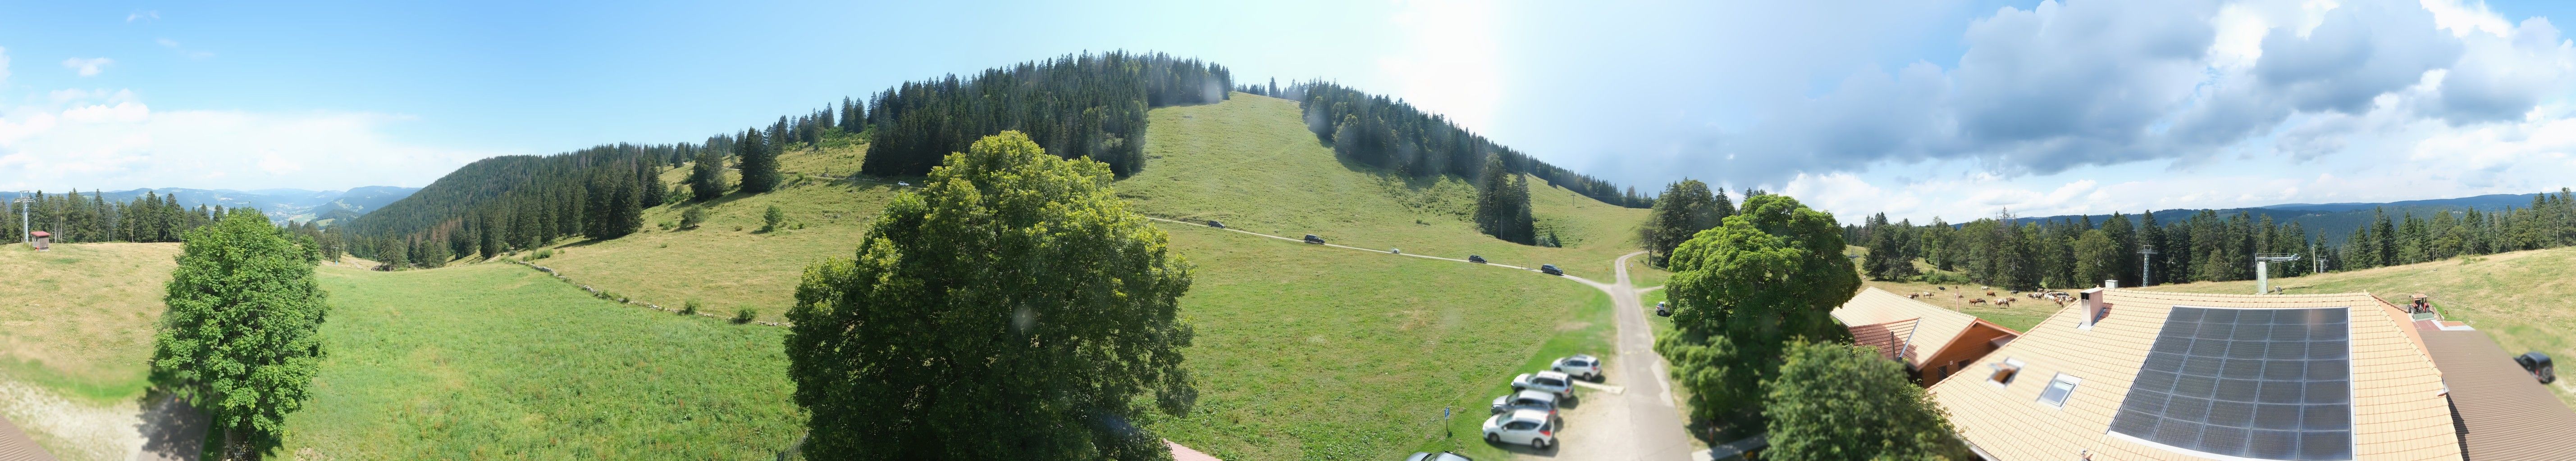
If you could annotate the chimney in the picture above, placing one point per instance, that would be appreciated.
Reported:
(2112, 283)
(2095, 308)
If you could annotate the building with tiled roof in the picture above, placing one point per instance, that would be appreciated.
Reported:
(2504, 412)
(2138, 375)
(1932, 342)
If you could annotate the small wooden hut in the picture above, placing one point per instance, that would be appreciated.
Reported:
(43, 241)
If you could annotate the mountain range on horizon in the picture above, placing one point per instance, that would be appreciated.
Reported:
(2332, 221)
(280, 204)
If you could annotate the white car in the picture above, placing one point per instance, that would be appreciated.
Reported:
(1580, 366)
(1546, 381)
(1526, 427)
(1441, 456)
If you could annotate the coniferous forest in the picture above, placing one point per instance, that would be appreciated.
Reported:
(2070, 253)
(1074, 106)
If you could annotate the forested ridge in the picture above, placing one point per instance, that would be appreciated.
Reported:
(2207, 246)
(1075, 106)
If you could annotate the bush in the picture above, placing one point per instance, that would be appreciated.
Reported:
(545, 253)
(769, 219)
(745, 315)
(689, 308)
(692, 216)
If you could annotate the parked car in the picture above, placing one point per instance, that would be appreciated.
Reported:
(1213, 223)
(1476, 259)
(1580, 366)
(1526, 427)
(1526, 400)
(1311, 238)
(1396, 251)
(1441, 456)
(2538, 364)
(1552, 382)
(1663, 310)
(1550, 269)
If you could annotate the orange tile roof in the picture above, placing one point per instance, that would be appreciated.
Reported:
(15, 446)
(1931, 329)
(2507, 412)
(1888, 337)
(2399, 412)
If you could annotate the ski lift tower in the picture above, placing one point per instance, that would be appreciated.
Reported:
(25, 202)
(2262, 272)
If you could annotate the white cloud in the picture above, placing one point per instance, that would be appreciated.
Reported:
(1452, 61)
(92, 139)
(140, 15)
(86, 67)
(4, 64)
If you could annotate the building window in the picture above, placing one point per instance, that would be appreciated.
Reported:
(2058, 389)
(2004, 371)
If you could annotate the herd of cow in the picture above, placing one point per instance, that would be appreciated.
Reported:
(2059, 297)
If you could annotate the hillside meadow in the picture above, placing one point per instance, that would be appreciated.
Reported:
(78, 320)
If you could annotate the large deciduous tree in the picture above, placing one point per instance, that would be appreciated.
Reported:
(1012, 308)
(239, 339)
(1742, 291)
(1684, 209)
(1835, 402)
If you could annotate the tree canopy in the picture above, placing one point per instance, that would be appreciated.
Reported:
(1685, 208)
(1011, 308)
(240, 338)
(1742, 291)
(1836, 402)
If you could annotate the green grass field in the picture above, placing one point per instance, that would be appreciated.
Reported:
(1250, 163)
(2519, 298)
(78, 320)
(496, 361)
(1308, 352)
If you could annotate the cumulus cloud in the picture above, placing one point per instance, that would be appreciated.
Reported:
(96, 139)
(86, 67)
(2083, 83)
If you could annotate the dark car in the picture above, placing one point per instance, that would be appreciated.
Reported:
(1476, 259)
(1550, 269)
(2538, 364)
(1213, 223)
(1311, 238)
(1663, 310)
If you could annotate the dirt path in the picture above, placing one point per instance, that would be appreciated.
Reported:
(144, 430)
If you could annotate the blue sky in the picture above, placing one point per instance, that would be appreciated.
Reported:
(1919, 109)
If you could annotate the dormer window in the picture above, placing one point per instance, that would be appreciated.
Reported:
(2004, 371)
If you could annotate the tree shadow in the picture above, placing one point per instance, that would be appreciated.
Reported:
(172, 429)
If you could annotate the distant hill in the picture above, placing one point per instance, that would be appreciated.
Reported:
(2334, 221)
(279, 204)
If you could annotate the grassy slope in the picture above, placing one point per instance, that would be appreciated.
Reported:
(2519, 298)
(79, 319)
(1250, 163)
(498, 361)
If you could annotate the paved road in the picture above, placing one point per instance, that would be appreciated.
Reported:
(1633, 416)
(1643, 419)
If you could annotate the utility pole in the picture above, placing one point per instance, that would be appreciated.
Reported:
(2146, 265)
(29, 202)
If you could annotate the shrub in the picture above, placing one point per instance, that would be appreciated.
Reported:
(691, 216)
(745, 315)
(689, 308)
(769, 219)
(545, 253)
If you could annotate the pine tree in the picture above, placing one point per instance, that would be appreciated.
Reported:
(706, 176)
(759, 156)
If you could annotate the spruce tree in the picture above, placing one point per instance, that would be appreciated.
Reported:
(759, 160)
(706, 176)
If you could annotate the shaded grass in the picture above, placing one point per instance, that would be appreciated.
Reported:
(1307, 352)
(79, 320)
(496, 361)
(2519, 298)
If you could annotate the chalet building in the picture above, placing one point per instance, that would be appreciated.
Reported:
(1931, 341)
(2141, 375)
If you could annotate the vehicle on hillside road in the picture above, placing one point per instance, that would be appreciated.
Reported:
(1476, 259)
(1550, 269)
(1311, 238)
(1213, 223)
(1663, 310)
(1552, 382)
(1580, 366)
(1526, 427)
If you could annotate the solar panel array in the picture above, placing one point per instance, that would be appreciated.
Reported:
(2252, 383)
